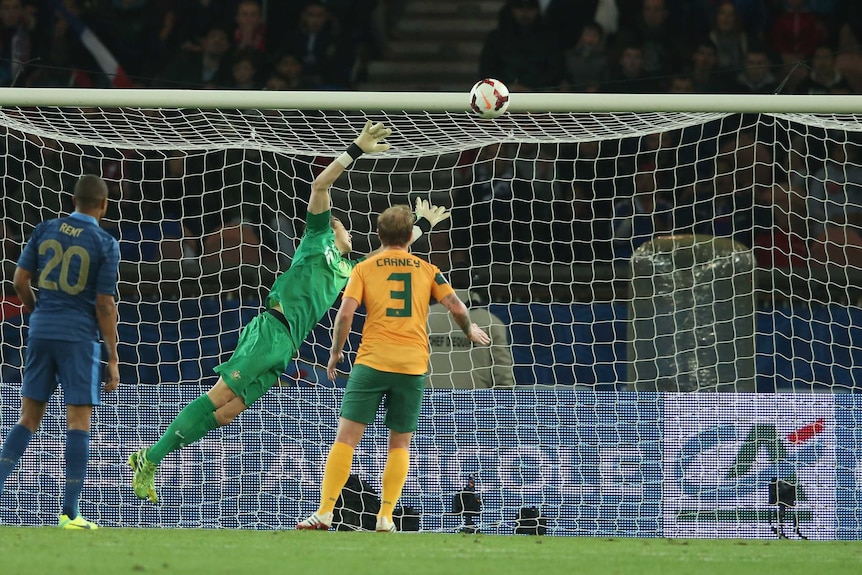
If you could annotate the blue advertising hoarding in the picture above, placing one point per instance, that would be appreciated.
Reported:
(595, 463)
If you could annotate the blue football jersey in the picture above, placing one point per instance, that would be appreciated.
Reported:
(72, 260)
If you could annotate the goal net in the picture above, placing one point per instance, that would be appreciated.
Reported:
(680, 291)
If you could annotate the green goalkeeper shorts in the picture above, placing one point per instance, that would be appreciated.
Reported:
(367, 387)
(261, 356)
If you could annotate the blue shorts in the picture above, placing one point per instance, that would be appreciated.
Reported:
(75, 365)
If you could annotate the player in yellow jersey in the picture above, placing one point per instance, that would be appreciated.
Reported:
(397, 288)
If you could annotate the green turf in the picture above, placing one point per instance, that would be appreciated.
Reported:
(34, 551)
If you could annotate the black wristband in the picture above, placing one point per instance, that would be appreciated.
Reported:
(354, 151)
(424, 225)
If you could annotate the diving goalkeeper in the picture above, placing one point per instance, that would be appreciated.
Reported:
(299, 298)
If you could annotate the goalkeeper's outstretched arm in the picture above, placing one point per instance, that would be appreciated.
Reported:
(367, 142)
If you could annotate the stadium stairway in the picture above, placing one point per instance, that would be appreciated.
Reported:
(435, 47)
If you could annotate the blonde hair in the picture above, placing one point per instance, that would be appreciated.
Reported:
(395, 225)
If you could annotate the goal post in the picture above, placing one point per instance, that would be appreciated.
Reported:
(558, 209)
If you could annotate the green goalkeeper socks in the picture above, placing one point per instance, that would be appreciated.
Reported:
(193, 422)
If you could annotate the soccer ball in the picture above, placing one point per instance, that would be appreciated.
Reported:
(489, 98)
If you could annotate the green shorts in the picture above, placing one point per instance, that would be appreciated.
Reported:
(367, 387)
(262, 353)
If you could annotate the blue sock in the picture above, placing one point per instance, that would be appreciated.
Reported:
(77, 455)
(16, 442)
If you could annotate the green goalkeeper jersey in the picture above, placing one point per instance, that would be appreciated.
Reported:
(317, 274)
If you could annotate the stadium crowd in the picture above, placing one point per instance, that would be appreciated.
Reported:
(677, 46)
(747, 177)
(794, 195)
(227, 44)
(630, 46)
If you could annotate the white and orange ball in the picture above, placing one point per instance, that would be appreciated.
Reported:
(489, 98)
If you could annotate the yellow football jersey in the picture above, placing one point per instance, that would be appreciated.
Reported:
(396, 288)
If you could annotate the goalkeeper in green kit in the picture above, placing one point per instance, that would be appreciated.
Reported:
(300, 297)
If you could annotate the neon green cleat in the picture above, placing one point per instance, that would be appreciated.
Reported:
(145, 470)
(77, 523)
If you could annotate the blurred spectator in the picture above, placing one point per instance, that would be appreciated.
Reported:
(522, 52)
(250, 32)
(757, 76)
(10, 249)
(587, 60)
(849, 53)
(42, 195)
(795, 33)
(15, 42)
(594, 168)
(830, 13)
(729, 38)
(755, 17)
(204, 68)
(608, 16)
(243, 71)
(64, 61)
(838, 245)
(316, 41)
(535, 187)
(704, 72)
(835, 190)
(195, 19)
(232, 244)
(639, 217)
(291, 71)
(629, 76)
(457, 364)
(482, 211)
(661, 150)
(782, 243)
(691, 19)
(715, 207)
(358, 23)
(823, 78)
(130, 30)
(681, 84)
(573, 223)
(568, 18)
(183, 181)
(281, 16)
(662, 47)
(805, 155)
(275, 83)
(751, 159)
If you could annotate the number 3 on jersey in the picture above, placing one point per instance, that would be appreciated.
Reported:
(404, 295)
(75, 259)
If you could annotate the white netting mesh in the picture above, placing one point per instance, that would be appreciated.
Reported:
(546, 211)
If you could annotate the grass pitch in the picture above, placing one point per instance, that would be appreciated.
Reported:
(34, 551)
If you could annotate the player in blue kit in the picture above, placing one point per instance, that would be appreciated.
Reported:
(75, 264)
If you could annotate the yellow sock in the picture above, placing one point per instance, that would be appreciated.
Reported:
(335, 475)
(394, 477)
